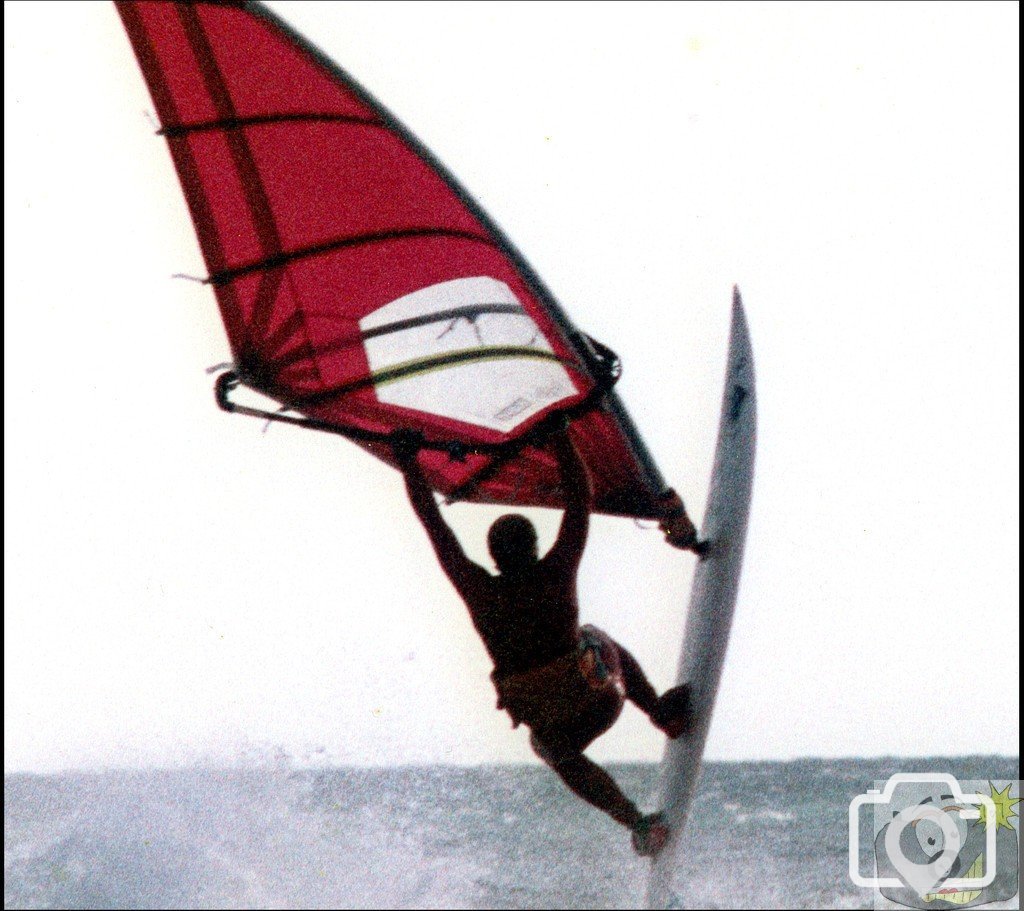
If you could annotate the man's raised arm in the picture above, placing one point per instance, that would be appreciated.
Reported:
(459, 568)
(572, 535)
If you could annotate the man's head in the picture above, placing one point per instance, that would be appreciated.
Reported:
(512, 542)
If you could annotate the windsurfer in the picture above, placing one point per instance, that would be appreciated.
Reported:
(567, 683)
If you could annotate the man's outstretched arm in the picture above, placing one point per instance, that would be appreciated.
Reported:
(572, 535)
(459, 568)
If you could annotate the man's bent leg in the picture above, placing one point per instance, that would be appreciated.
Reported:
(670, 712)
(638, 688)
(588, 780)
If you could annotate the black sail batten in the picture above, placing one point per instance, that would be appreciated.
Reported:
(423, 365)
(275, 261)
(469, 312)
(234, 123)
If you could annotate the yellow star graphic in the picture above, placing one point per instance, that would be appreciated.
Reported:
(1004, 807)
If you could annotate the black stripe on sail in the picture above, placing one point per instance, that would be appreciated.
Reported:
(425, 365)
(281, 259)
(470, 311)
(231, 123)
(256, 198)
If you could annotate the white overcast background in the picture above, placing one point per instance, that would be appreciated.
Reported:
(182, 587)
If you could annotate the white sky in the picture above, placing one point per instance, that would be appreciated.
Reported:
(180, 586)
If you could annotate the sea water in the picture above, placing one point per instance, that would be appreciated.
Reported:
(762, 835)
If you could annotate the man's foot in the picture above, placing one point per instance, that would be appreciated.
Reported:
(650, 835)
(675, 523)
(674, 711)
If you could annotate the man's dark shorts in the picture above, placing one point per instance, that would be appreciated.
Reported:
(570, 701)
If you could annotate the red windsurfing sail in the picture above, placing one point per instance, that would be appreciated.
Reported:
(360, 286)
